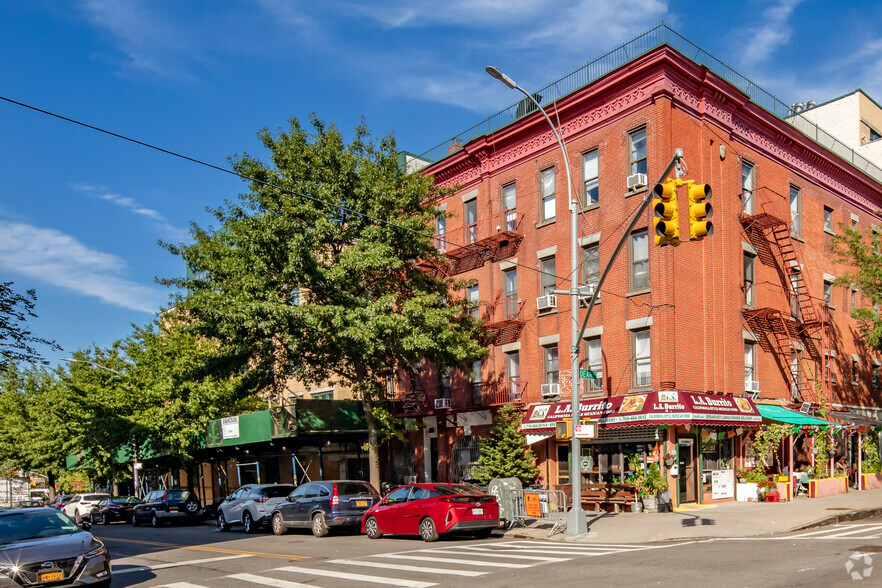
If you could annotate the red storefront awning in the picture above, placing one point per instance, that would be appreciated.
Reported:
(653, 408)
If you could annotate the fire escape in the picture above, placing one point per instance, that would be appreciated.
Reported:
(783, 333)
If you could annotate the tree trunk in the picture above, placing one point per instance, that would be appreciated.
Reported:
(373, 444)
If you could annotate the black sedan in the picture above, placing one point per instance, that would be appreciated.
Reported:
(161, 506)
(43, 547)
(115, 508)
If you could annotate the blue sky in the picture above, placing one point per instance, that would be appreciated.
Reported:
(81, 213)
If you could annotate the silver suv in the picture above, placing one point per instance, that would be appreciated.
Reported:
(251, 506)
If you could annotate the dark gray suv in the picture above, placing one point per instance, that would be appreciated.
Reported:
(325, 504)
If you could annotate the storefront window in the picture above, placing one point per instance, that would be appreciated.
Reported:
(613, 463)
(563, 464)
(716, 454)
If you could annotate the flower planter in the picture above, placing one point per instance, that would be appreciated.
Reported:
(827, 487)
(650, 503)
(746, 491)
(871, 481)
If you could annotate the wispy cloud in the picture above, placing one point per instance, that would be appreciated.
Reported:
(60, 260)
(761, 42)
(158, 220)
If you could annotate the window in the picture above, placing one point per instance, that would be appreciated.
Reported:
(854, 370)
(590, 178)
(795, 282)
(854, 300)
(795, 372)
(828, 219)
(472, 298)
(639, 261)
(444, 383)
(510, 296)
(749, 364)
(854, 223)
(828, 293)
(642, 373)
(548, 274)
(471, 220)
(795, 211)
(441, 234)
(550, 365)
(510, 206)
(594, 362)
(513, 371)
(475, 378)
(749, 279)
(828, 361)
(637, 152)
(295, 297)
(748, 177)
(546, 177)
(874, 135)
(875, 375)
(591, 265)
(329, 395)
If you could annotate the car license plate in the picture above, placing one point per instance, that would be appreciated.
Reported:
(477, 511)
(51, 576)
(361, 503)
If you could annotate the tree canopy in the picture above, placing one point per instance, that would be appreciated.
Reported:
(313, 272)
(860, 254)
(505, 453)
(16, 341)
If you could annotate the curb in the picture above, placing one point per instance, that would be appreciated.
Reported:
(854, 515)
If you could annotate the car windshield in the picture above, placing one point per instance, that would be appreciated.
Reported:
(456, 489)
(34, 524)
(177, 494)
(355, 488)
(279, 491)
(123, 500)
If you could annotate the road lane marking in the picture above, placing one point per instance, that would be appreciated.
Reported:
(488, 564)
(402, 568)
(181, 585)
(839, 531)
(502, 555)
(357, 577)
(176, 564)
(209, 549)
(268, 581)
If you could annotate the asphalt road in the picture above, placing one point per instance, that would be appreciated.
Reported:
(199, 556)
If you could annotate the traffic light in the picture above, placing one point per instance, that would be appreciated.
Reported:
(664, 206)
(699, 211)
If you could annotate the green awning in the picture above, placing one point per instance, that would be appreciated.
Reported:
(791, 417)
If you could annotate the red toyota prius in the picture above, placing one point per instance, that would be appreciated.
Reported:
(429, 510)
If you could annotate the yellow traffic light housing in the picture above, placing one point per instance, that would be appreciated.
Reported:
(664, 207)
(563, 430)
(699, 211)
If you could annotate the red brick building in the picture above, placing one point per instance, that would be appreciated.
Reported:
(749, 312)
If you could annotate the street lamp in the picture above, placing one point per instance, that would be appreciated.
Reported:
(577, 523)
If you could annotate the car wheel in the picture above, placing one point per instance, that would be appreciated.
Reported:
(105, 520)
(154, 520)
(427, 530)
(135, 520)
(222, 522)
(319, 525)
(191, 506)
(279, 527)
(248, 522)
(372, 528)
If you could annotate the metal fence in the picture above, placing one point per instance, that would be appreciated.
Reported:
(636, 47)
(539, 505)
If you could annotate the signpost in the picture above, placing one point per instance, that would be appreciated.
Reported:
(587, 374)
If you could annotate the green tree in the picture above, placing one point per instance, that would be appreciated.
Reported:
(338, 227)
(16, 341)
(504, 454)
(859, 253)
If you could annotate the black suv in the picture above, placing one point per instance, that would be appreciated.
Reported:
(324, 504)
(160, 506)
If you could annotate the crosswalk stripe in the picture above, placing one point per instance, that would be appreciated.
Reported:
(403, 568)
(854, 532)
(833, 532)
(561, 551)
(268, 581)
(356, 577)
(180, 585)
(176, 564)
(500, 555)
(488, 564)
(585, 546)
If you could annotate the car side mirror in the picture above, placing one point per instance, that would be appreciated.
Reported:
(293, 498)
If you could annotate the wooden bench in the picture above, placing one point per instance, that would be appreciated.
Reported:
(603, 497)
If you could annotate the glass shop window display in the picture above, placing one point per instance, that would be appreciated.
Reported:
(716, 454)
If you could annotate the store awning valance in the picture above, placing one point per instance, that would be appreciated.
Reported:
(854, 419)
(669, 407)
(780, 414)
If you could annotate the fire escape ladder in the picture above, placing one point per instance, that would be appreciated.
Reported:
(784, 337)
(795, 277)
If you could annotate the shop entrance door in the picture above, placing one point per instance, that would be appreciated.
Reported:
(686, 480)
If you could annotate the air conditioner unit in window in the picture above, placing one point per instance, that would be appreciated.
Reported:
(751, 386)
(546, 302)
(410, 479)
(549, 391)
(442, 403)
(636, 181)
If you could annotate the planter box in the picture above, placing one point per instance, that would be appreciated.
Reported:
(827, 487)
(871, 481)
(745, 491)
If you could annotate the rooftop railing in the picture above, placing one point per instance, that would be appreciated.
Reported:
(630, 50)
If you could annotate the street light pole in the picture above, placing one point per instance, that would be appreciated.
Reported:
(577, 523)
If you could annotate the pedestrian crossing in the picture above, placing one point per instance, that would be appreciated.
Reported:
(847, 531)
(420, 568)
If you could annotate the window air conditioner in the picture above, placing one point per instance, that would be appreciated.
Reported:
(549, 390)
(546, 302)
(636, 181)
(442, 403)
(751, 386)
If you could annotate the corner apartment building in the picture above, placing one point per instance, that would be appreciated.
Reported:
(745, 317)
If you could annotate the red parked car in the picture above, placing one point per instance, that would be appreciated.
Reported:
(429, 510)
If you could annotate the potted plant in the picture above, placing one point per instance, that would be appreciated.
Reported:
(767, 487)
(653, 483)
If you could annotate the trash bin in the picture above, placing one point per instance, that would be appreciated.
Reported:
(501, 488)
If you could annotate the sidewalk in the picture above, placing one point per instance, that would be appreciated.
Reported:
(727, 519)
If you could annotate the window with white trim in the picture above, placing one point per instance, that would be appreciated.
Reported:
(441, 234)
(548, 275)
(749, 279)
(546, 186)
(749, 364)
(828, 219)
(828, 292)
(590, 177)
(639, 260)
(594, 362)
(471, 220)
(591, 264)
(641, 374)
(510, 206)
(550, 365)
(637, 151)
(748, 181)
(473, 297)
(795, 211)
